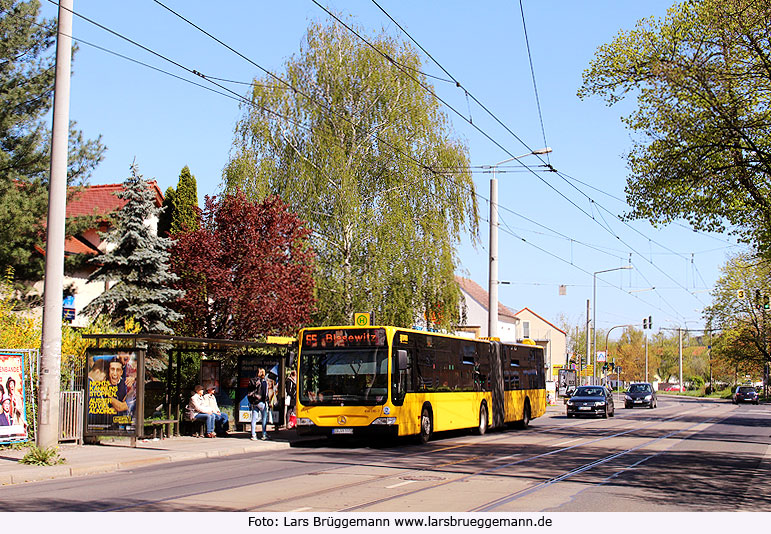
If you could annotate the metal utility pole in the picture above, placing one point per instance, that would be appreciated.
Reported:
(646, 356)
(580, 365)
(50, 355)
(709, 352)
(680, 335)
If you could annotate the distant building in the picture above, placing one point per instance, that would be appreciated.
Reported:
(474, 308)
(512, 326)
(101, 202)
(553, 339)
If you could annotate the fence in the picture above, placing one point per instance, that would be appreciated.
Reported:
(71, 416)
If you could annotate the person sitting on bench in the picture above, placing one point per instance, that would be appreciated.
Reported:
(198, 410)
(221, 423)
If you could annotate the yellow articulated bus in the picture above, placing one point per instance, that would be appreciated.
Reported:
(388, 381)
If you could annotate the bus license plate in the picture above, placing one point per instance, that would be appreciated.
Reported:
(342, 431)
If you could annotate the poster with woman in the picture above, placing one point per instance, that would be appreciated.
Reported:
(13, 413)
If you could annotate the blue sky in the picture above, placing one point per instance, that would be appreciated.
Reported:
(550, 227)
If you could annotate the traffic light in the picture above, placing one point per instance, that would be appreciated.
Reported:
(757, 299)
(766, 304)
(645, 323)
(650, 322)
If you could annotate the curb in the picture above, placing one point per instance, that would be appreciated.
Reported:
(34, 473)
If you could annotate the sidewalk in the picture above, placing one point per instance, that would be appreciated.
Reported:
(117, 453)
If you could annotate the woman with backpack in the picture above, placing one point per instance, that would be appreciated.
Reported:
(257, 395)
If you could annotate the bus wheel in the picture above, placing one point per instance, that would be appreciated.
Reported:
(525, 422)
(426, 425)
(482, 420)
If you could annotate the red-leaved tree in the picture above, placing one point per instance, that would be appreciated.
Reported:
(247, 272)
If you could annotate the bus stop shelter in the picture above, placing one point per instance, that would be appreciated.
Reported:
(276, 352)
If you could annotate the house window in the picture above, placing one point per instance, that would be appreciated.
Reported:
(525, 329)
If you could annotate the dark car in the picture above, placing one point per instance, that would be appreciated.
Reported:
(640, 394)
(745, 394)
(591, 400)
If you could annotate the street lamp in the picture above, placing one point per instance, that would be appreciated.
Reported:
(492, 315)
(594, 314)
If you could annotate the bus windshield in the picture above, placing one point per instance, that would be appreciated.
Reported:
(343, 376)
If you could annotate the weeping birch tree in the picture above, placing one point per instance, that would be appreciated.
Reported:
(359, 149)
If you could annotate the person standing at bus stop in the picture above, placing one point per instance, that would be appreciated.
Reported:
(257, 395)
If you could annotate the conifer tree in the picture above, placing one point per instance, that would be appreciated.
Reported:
(138, 263)
(26, 87)
(184, 216)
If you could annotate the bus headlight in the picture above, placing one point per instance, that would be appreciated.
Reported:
(384, 421)
(304, 421)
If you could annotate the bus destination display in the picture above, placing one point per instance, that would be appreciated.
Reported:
(342, 338)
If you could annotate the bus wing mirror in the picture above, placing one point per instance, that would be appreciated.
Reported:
(401, 358)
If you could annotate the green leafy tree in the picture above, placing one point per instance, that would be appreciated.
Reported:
(702, 80)
(741, 317)
(629, 352)
(26, 87)
(184, 215)
(138, 264)
(385, 224)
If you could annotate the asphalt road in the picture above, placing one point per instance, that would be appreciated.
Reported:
(686, 455)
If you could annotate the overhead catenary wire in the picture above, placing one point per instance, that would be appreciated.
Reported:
(421, 84)
(532, 75)
(194, 72)
(605, 226)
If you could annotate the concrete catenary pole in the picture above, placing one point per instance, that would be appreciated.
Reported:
(50, 356)
(492, 314)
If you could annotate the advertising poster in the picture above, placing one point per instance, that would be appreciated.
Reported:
(248, 367)
(210, 375)
(111, 396)
(13, 412)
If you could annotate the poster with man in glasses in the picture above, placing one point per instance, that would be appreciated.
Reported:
(112, 392)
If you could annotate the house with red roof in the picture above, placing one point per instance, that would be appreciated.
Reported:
(512, 326)
(100, 202)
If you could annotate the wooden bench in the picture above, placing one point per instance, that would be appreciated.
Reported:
(158, 424)
(195, 428)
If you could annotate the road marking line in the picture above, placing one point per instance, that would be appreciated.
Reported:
(400, 484)
(303, 509)
(566, 442)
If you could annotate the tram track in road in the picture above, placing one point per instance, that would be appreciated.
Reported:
(416, 473)
(493, 505)
(412, 474)
(540, 484)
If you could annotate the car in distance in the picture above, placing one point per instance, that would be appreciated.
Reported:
(640, 394)
(745, 394)
(591, 400)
